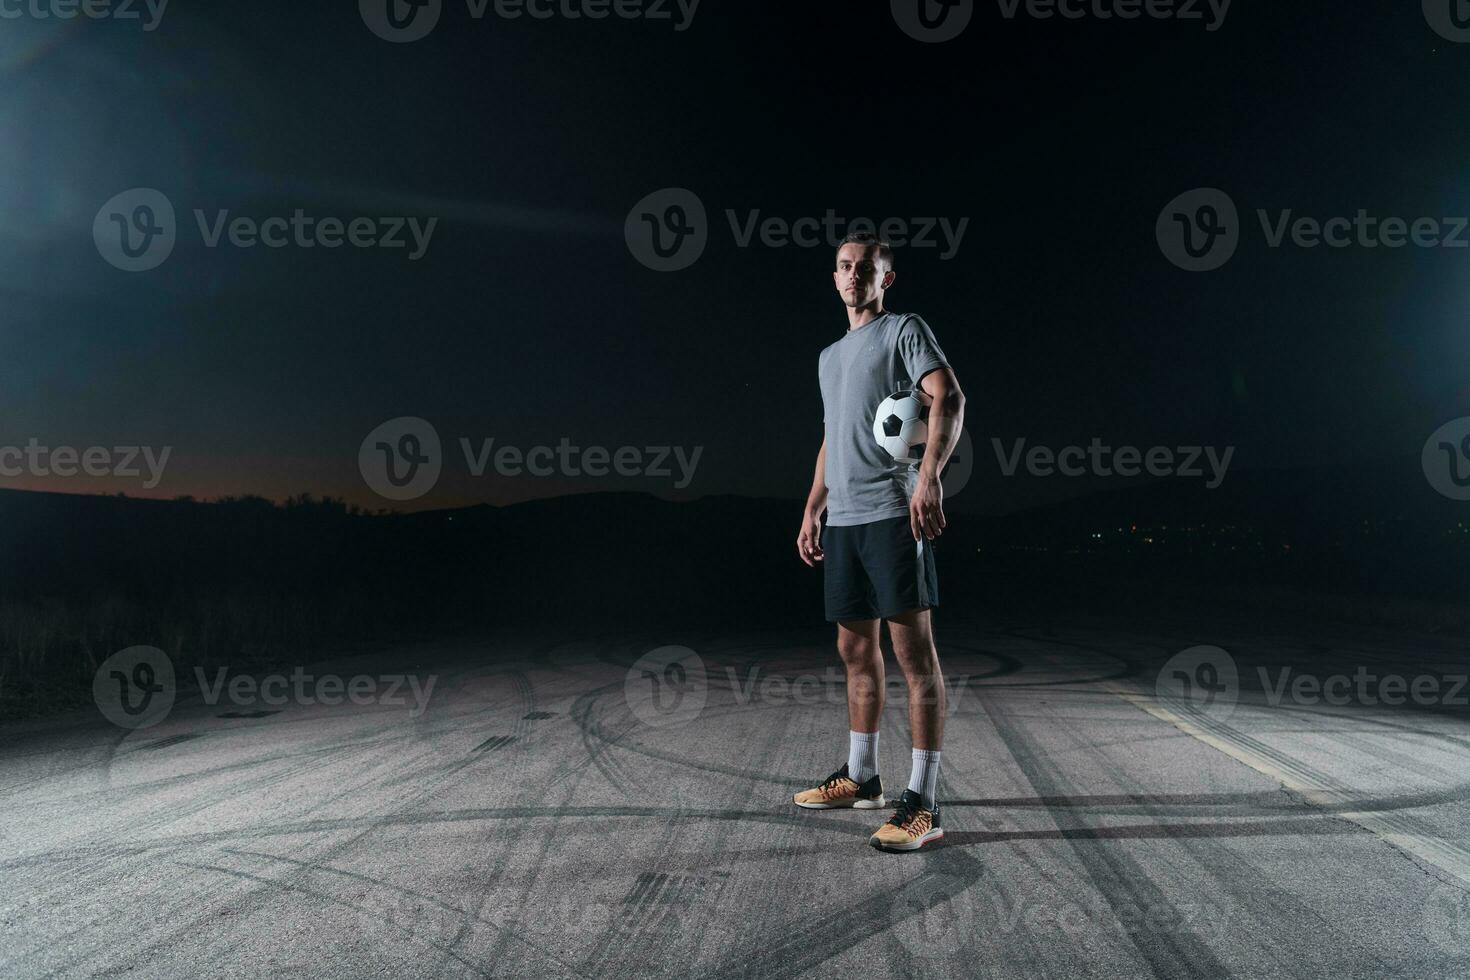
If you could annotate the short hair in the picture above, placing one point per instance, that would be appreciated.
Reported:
(867, 238)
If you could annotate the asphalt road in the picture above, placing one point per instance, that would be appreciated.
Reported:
(550, 812)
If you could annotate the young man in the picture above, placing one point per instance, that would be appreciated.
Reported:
(877, 551)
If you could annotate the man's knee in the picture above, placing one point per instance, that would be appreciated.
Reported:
(916, 659)
(857, 649)
(913, 643)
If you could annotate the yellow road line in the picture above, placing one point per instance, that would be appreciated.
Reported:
(1298, 778)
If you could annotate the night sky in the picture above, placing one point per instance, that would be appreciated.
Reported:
(529, 320)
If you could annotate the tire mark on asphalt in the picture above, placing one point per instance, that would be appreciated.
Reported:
(264, 884)
(1214, 860)
(471, 815)
(465, 914)
(1412, 837)
(433, 781)
(1121, 881)
(541, 840)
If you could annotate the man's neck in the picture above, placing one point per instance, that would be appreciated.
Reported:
(861, 316)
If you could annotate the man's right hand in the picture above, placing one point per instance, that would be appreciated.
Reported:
(808, 542)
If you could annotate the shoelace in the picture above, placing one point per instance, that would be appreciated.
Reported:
(905, 812)
(830, 783)
(834, 779)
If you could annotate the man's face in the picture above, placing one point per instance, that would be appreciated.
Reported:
(860, 277)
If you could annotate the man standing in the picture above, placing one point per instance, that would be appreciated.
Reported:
(877, 550)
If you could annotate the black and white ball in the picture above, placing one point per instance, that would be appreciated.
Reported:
(901, 425)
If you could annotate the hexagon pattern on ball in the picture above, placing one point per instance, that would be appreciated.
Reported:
(901, 425)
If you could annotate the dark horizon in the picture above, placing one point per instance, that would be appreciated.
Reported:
(528, 320)
(977, 497)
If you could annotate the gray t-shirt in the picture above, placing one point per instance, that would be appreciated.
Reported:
(893, 351)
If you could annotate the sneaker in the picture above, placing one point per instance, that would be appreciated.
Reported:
(840, 791)
(911, 826)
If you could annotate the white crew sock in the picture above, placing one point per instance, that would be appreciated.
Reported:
(862, 756)
(924, 777)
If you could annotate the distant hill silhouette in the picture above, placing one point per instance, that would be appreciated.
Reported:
(233, 580)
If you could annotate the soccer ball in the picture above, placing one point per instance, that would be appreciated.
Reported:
(901, 425)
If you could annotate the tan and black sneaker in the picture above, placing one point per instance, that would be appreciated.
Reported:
(910, 827)
(839, 791)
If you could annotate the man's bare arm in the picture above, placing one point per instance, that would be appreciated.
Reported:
(816, 500)
(808, 543)
(946, 418)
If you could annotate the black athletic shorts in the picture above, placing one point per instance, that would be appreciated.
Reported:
(877, 570)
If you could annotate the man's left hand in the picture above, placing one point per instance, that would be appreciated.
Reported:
(926, 508)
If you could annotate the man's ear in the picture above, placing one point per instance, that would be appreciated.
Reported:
(888, 278)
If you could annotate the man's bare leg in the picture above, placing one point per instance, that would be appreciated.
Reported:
(915, 820)
(913, 648)
(856, 784)
(857, 645)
